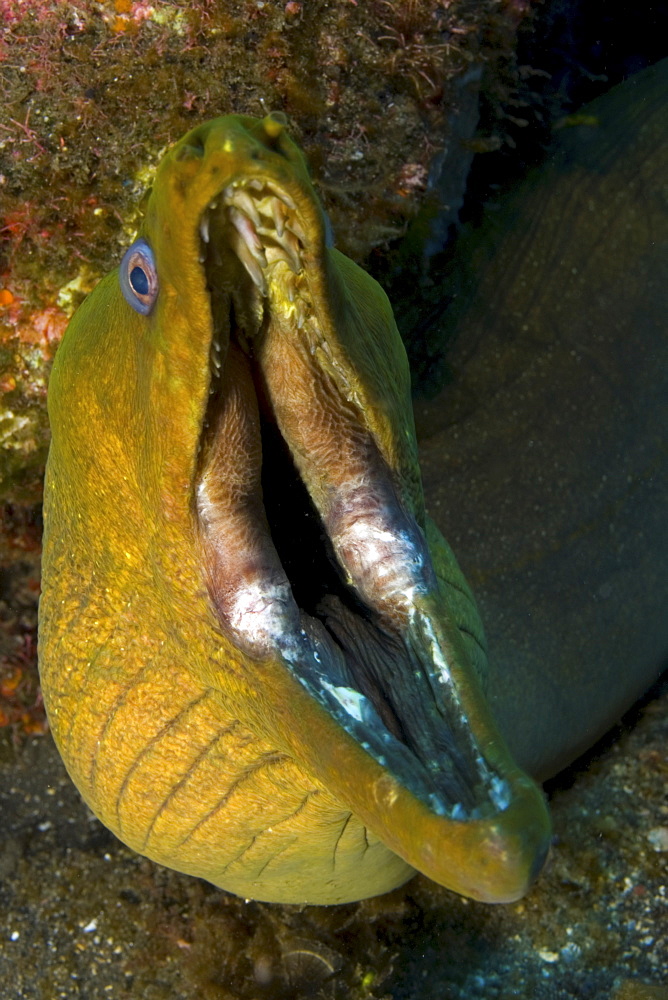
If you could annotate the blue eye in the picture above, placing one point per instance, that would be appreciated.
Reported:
(139, 277)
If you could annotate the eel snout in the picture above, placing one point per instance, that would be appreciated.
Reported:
(336, 583)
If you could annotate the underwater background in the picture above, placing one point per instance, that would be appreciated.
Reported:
(427, 126)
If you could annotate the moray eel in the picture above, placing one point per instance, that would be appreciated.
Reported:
(550, 440)
(260, 660)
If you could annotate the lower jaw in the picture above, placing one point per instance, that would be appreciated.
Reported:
(375, 654)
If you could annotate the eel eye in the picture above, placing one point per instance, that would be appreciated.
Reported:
(139, 277)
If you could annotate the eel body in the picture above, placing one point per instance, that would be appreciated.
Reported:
(545, 458)
(260, 660)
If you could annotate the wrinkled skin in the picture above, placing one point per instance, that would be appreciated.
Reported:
(250, 437)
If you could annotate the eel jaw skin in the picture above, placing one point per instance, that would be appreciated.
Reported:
(380, 655)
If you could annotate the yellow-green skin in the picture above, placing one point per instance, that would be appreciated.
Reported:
(193, 753)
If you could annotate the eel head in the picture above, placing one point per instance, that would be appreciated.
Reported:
(263, 395)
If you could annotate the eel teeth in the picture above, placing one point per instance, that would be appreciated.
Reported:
(214, 356)
(295, 228)
(244, 226)
(264, 232)
(250, 262)
(289, 244)
(278, 215)
(276, 253)
(243, 201)
(299, 313)
(282, 196)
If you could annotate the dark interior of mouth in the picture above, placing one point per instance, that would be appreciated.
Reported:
(376, 680)
(401, 724)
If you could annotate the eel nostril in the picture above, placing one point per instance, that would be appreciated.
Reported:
(271, 132)
(189, 151)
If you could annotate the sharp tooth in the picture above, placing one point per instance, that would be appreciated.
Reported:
(289, 243)
(250, 263)
(276, 253)
(283, 195)
(246, 230)
(294, 227)
(325, 348)
(278, 216)
(256, 184)
(213, 206)
(246, 203)
(204, 227)
(300, 314)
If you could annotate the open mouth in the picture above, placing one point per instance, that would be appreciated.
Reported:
(311, 550)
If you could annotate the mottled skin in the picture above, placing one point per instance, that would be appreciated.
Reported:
(203, 757)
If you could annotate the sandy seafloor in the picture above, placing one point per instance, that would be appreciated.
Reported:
(84, 917)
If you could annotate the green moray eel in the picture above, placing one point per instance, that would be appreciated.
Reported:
(260, 660)
(544, 459)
